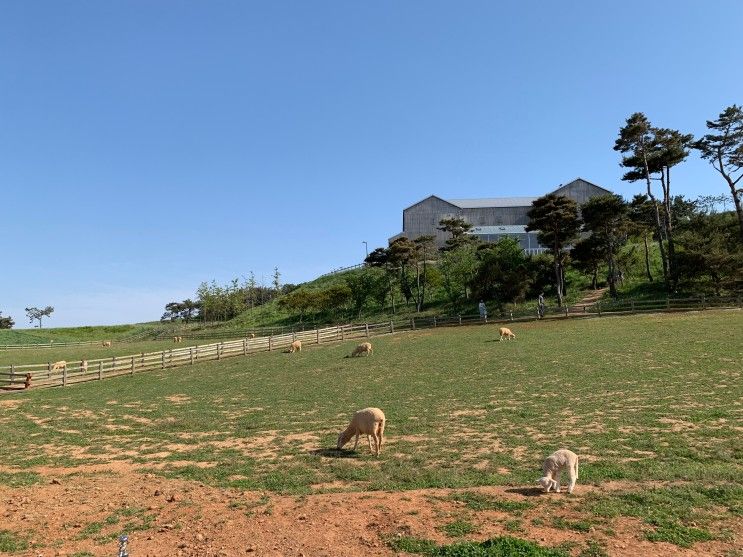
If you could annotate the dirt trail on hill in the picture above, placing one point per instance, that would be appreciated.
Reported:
(85, 513)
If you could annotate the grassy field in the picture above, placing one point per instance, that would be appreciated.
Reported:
(653, 404)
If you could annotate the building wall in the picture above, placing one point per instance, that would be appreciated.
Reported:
(423, 217)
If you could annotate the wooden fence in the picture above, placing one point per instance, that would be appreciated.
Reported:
(44, 375)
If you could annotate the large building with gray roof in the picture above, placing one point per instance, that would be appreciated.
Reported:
(491, 218)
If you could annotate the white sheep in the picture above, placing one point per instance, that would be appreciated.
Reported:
(61, 364)
(107, 343)
(252, 335)
(84, 366)
(369, 421)
(296, 346)
(506, 333)
(363, 348)
(177, 339)
(556, 463)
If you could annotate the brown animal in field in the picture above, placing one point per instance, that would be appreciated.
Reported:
(363, 348)
(295, 346)
(506, 333)
(252, 335)
(57, 366)
(107, 343)
(369, 421)
(27, 382)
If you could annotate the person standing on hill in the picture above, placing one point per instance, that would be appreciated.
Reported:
(540, 305)
(483, 310)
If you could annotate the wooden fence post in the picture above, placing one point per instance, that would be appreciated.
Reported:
(598, 307)
(270, 340)
(392, 326)
(100, 370)
(49, 370)
(190, 353)
(162, 359)
(460, 319)
(343, 332)
(366, 327)
(132, 373)
(12, 374)
(113, 364)
(412, 323)
(703, 302)
(632, 304)
(434, 321)
(668, 303)
(317, 332)
(64, 375)
(245, 347)
(511, 314)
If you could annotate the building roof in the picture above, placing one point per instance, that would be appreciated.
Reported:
(492, 202)
(499, 229)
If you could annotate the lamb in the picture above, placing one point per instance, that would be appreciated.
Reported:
(506, 333)
(27, 382)
(61, 364)
(556, 463)
(84, 366)
(296, 346)
(369, 421)
(107, 343)
(363, 348)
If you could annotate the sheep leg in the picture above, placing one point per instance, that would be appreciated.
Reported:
(368, 438)
(573, 474)
(557, 480)
(356, 444)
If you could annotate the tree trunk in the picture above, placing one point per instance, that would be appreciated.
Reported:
(736, 201)
(647, 257)
(658, 225)
(558, 281)
(666, 185)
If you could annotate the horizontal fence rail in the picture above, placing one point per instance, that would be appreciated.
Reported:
(52, 374)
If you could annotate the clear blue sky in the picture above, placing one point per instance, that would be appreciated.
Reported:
(147, 146)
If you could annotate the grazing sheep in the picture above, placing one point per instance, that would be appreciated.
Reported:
(296, 346)
(363, 348)
(252, 335)
(177, 339)
(556, 463)
(84, 366)
(107, 343)
(27, 382)
(506, 333)
(369, 421)
(61, 364)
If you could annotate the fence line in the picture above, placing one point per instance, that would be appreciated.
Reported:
(46, 375)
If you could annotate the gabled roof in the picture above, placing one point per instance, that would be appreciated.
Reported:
(492, 202)
(426, 199)
(581, 180)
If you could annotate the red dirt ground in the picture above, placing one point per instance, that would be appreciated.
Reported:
(192, 519)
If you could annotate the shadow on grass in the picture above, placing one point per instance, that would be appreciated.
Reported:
(332, 452)
(526, 491)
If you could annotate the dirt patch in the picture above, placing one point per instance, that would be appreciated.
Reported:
(178, 399)
(190, 519)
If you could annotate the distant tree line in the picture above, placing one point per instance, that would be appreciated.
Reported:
(216, 302)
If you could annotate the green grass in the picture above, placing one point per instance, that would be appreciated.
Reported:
(10, 542)
(649, 398)
(458, 528)
(504, 546)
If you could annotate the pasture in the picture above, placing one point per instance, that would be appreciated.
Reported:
(221, 456)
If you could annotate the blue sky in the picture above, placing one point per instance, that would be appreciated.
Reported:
(147, 146)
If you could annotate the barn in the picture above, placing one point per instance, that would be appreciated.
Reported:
(492, 218)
